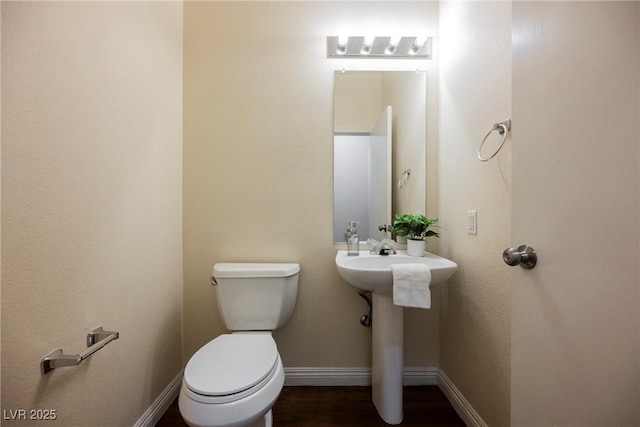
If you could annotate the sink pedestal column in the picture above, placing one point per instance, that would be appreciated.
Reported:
(387, 357)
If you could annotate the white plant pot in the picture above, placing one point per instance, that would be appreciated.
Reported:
(415, 247)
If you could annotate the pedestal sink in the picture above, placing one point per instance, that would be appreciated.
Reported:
(373, 273)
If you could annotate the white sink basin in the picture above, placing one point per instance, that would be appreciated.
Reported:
(373, 272)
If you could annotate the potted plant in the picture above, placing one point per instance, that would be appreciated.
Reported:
(416, 228)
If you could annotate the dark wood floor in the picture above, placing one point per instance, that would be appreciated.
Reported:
(424, 406)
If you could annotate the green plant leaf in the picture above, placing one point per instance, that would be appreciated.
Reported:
(414, 226)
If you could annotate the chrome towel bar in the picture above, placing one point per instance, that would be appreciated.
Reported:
(96, 339)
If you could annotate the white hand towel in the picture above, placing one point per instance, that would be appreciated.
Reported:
(411, 285)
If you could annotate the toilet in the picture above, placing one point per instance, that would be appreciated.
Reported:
(235, 379)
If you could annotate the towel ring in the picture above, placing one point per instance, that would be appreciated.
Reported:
(404, 178)
(503, 128)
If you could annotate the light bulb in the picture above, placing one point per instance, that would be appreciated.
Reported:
(366, 45)
(417, 45)
(393, 45)
(343, 41)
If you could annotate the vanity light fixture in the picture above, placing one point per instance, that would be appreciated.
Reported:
(378, 47)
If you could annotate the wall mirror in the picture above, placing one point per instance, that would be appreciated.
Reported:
(379, 148)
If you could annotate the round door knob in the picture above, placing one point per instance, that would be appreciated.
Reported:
(524, 256)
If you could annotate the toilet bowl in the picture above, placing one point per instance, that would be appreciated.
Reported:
(232, 381)
(235, 379)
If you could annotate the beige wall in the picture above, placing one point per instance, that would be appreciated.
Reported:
(475, 92)
(91, 205)
(258, 164)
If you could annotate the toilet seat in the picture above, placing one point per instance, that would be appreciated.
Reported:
(231, 367)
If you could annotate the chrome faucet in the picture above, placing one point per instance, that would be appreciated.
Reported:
(386, 247)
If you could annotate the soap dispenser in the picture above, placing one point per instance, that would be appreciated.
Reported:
(353, 243)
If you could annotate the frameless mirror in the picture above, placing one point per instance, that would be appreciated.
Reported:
(379, 149)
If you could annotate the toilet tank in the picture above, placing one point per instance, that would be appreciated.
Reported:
(256, 296)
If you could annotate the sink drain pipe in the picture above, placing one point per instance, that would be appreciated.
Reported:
(365, 319)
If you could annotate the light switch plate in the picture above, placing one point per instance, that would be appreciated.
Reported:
(472, 222)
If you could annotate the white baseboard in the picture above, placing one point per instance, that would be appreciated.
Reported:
(420, 376)
(352, 376)
(464, 409)
(327, 376)
(161, 404)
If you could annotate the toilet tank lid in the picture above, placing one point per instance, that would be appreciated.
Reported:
(247, 270)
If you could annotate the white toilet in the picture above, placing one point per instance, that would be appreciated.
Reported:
(235, 379)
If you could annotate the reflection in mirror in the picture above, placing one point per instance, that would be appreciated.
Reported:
(379, 133)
